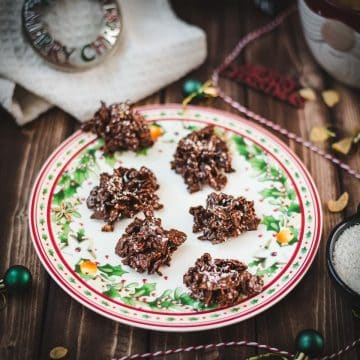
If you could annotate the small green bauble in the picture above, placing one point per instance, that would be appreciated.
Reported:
(191, 86)
(17, 279)
(310, 342)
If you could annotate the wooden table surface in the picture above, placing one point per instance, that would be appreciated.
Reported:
(31, 325)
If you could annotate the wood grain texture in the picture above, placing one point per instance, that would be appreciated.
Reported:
(21, 322)
(32, 325)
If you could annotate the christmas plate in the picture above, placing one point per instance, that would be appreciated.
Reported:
(81, 258)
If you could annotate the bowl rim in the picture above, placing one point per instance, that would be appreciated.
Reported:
(333, 237)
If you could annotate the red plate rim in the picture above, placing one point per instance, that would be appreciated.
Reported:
(209, 324)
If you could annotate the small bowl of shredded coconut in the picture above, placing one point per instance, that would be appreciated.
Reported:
(343, 256)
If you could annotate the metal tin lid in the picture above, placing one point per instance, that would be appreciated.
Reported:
(68, 58)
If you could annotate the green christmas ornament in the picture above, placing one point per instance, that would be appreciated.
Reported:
(309, 343)
(17, 279)
(191, 86)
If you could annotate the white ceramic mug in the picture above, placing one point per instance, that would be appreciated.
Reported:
(333, 36)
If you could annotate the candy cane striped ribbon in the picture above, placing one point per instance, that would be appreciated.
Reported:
(205, 347)
(342, 351)
(247, 39)
(290, 135)
(230, 344)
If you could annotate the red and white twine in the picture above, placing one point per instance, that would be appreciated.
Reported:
(263, 121)
(290, 135)
(214, 346)
(207, 347)
(247, 39)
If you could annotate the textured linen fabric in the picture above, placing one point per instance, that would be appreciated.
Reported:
(155, 49)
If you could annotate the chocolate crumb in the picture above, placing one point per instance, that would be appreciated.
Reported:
(223, 282)
(146, 245)
(123, 194)
(202, 158)
(121, 127)
(223, 217)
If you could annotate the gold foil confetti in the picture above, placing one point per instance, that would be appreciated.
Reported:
(320, 134)
(307, 94)
(330, 97)
(343, 146)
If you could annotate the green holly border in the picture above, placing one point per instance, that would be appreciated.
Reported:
(212, 116)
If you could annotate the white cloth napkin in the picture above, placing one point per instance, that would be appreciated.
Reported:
(155, 49)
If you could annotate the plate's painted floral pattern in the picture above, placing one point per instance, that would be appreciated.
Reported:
(265, 172)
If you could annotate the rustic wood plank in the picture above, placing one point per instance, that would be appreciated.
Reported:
(346, 116)
(314, 303)
(23, 151)
(83, 332)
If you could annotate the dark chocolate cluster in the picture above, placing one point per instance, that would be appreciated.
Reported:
(222, 282)
(123, 194)
(201, 158)
(224, 216)
(146, 245)
(121, 128)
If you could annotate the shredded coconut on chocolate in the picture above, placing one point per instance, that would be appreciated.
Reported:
(121, 127)
(202, 158)
(123, 194)
(221, 281)
(146, 245)
(224, 216)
